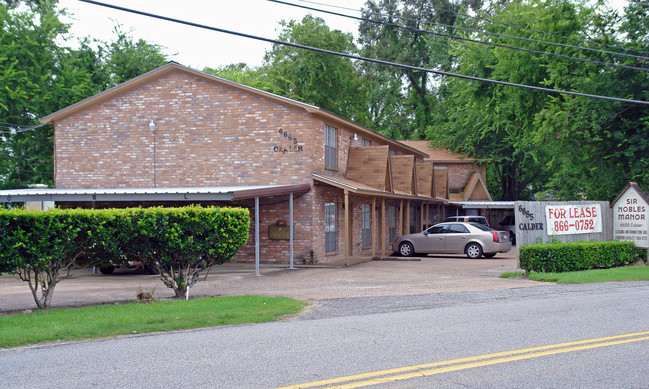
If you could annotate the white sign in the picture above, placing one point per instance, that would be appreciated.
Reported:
(573, 219)
(630, 214)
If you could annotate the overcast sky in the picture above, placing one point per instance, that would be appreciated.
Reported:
(195, 47)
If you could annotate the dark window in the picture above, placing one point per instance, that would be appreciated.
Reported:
(330, 228)
(458, 228)
(392, 222)
(331, 147)
(366, 211)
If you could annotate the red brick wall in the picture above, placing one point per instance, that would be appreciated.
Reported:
(206, 134)
(459, 175)
(211, 134)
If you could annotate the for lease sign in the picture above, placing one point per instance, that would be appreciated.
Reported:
(573, 219)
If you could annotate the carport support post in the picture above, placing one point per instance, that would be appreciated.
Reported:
(374, 226)
(256, 236)
(346, 227)
(384, 230)
(290, 223)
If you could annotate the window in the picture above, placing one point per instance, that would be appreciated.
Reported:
(366, 143)
(458, 228)
(392, 222)
(331, 148)
(366, 213)
(330, 228)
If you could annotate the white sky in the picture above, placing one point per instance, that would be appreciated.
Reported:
(196, 47)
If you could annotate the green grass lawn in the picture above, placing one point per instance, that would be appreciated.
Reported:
(627, 273)
(138, 318)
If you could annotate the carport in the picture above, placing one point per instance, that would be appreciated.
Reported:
(217, 195)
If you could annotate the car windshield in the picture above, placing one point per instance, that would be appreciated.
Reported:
(482, 227)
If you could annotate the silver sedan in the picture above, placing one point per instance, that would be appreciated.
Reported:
(473, 239)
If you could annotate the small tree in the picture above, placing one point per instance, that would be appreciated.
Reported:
(41, 247)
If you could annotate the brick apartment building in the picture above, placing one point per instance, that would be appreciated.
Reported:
(175, 136)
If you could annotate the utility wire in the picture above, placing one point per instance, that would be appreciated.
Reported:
(24, 170)
(26, 159)
(350, 56)
(10, 128)
(479, 31)
(412, 29)
(508, 25)
(537, 31)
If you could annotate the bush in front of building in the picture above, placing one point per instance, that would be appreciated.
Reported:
(575, 256)
(42, 247)
(182, 244)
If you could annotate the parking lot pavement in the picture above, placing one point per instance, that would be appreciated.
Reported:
(386, 277)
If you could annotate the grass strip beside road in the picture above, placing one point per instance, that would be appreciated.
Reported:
(616, 274)
(137, 318)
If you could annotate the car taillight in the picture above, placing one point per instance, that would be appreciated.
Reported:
(495, 235)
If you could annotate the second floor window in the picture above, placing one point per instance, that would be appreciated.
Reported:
(331, 148)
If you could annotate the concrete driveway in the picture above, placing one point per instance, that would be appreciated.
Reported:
(387, 277)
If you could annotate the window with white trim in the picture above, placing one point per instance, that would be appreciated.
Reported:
(366, 142)
(330, 228)
(331, 147)
(366, 231)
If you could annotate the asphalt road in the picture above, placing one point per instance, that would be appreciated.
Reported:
(443, 340)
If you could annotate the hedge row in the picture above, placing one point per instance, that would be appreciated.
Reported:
(179, 242)
(575, 256)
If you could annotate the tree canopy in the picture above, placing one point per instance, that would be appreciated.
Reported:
(40, 76)
(535, 144)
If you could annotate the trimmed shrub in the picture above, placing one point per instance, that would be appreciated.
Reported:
(563, 257)
(181, 243)
(42, 247)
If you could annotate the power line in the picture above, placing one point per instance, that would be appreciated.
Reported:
(26, 159)
(412, 29)
(10, 128)
(477, 30)
(538, 31)
(350, 56)
(24, 170)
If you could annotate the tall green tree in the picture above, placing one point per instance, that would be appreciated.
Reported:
(243, 74)
(499, 124)
(38, 77)
(126, 58)
(599, 146)
(324, 80)
(402, 101)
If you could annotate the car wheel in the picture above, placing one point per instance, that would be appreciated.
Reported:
(406, 249)
(107, 269)
(473, 251)
(489, 255)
